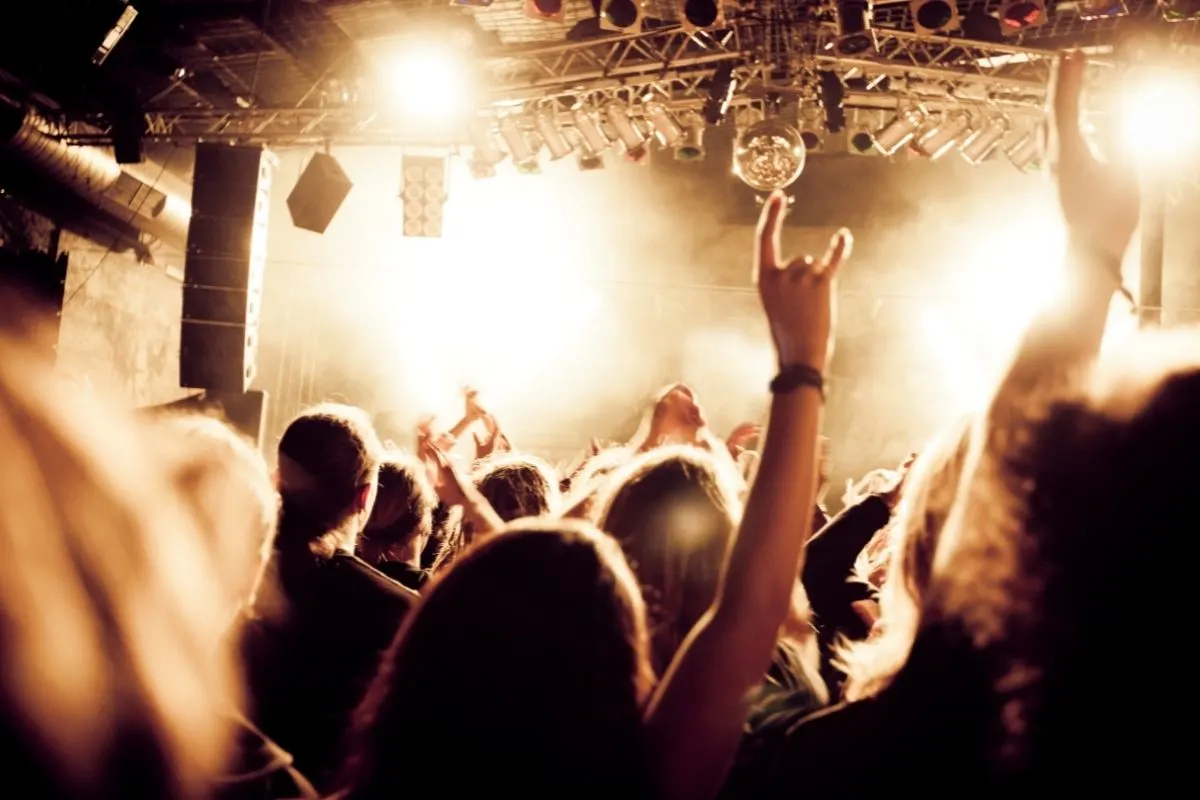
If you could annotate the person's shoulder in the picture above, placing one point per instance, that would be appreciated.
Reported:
(379, 583)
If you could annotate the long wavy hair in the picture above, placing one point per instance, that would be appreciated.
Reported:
(527, 663)
(112, 677)
(928, 498)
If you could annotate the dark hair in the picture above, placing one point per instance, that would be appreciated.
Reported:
(403, 507)
(326, 456)
(525, 663)
(674, 514)
(1063, 567)
(518, 486)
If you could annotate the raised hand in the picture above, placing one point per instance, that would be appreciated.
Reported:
(443, 476)
(797, 294)
(473, 409)
(1099, 201)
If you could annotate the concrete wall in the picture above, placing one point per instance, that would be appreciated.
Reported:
(120, 323)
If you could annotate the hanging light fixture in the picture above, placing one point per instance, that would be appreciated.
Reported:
(933, 16)
(552, 135)
(621, 16)
(666, 129)
(937, 140)
(633, 139)
(1018, 16)
(589, 129)
(980, 145)
(854, 27)
(691, 145)
(523, 154)
(1025, 153)
(900, 131)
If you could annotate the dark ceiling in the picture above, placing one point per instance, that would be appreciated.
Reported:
(278, 53)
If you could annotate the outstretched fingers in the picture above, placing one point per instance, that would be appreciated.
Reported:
(770, 226)
(839, 250)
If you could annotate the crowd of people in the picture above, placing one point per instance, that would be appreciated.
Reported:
(671, 617)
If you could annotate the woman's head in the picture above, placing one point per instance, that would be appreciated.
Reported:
(230, 489)
(112, 679)
(526, 661)
(1060, 559)
(401, 521)
(328, 468)
(674, 510)
(518, 486)
(927, 498)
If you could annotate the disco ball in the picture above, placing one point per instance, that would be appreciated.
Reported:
(769, 155)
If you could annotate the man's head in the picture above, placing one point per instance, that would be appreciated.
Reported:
(328, 470)
(402, 519)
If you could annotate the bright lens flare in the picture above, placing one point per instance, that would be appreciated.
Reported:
(429, 81)
(1160, 115)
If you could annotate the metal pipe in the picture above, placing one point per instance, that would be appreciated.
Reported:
(138, 197)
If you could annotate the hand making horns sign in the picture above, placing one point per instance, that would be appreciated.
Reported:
(797, 294)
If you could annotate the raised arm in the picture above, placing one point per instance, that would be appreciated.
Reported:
(695, 719)
(1100, 207)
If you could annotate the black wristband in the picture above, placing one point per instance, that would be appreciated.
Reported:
(797, 376)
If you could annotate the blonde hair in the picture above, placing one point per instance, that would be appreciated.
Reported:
(111, 667)
(232, 493)
(928, 497)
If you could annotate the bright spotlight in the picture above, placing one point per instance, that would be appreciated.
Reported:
(429, 80)
(1160, 114)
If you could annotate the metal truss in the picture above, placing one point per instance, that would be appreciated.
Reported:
(673, 64)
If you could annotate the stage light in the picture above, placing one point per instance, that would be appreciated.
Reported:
(552, 135)
(722, 86)
(589, 130)
(486, 150)
(1017, 16)
(123, 14)
(1026, 152)
(621, 16)
(1180, 10)
(1100, 9)
(691, 146)
(854, 27)
(588, 160)
(423, 193)
(1160, 114)
(666, 129)
(622, 125)
(429, 80)
(701, 14)
(980, 145)
(900, 131)
(933, 16)
(940, 138)
(523, 154)
(769, 155)
(548, 10)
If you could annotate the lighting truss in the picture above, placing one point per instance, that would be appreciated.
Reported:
(673, 65)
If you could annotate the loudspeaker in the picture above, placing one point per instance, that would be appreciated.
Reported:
(318, 194)
(224, 269)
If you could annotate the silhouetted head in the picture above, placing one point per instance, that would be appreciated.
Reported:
(524, 666)
(518, 486)
(328, 468)
(674, 511)
(402, 520)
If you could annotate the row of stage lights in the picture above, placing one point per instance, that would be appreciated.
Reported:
(855, 18)
(976, 139)
(589, 134)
